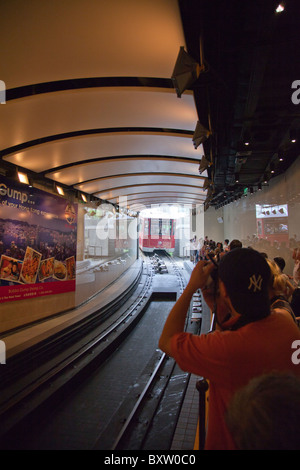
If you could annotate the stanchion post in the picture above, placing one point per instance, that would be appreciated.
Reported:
(202, 387)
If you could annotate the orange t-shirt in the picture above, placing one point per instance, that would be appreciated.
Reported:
(229, 359)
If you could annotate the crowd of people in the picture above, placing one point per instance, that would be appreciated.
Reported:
(285, 290)
(290, 255)
(251, 359)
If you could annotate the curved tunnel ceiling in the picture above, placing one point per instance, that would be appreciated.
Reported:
(90, 102)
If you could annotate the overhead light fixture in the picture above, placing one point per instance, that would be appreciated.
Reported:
(293, 136)
(237, 177)
(204, 165)
(251, 190)
(280, 8)
(272, 168)
(60, 190)
(266, 178)
(246, 137)
(83, 197)
(23, 178)
(200, 135)
(186, 72)
(206, 183)
(259, 187)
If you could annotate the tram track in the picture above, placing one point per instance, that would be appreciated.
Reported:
(44, 371)
(140, 427)
(140, 413)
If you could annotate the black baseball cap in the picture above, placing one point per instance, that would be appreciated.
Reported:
(246, 275)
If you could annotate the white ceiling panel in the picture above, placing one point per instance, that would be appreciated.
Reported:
(118, 166)
(55, 154)
(154, 198)
(113, 182)
(142, 196)
(90, 101)
(150, 189)
(50, 114)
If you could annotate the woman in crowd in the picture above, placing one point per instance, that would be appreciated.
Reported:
(281, 291)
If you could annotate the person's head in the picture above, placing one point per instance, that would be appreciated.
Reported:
(235, 244)
(244, 278)
(265, 414)
(15, 267)
(278, 280)
(280, 262)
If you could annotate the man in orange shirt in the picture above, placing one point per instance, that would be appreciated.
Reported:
(249, 342)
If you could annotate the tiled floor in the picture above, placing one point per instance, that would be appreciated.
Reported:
(186, 430)
(184, 437)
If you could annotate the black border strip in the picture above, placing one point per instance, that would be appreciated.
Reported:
(91, 82)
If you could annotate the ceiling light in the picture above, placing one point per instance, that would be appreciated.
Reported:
(246, 138)
(186, 72)
(259, 186)
(23, 178)
(200, 135)
(60, 190)
(83, 197)
(204, 164)
(272, 168)
(280, 8)
(236, 177)
(293, 135)
(206, 183)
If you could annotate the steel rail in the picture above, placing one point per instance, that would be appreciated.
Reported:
(72, 359)
(149, 383)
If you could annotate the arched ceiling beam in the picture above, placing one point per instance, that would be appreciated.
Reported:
(78, 172)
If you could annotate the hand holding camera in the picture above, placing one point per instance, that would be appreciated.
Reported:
(200, 275)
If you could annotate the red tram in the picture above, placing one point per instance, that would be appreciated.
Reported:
(157, 234)
(272, 223)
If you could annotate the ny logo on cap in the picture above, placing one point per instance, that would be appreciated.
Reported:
(255, 283)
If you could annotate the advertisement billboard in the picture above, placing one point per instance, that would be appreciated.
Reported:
(38, 235)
